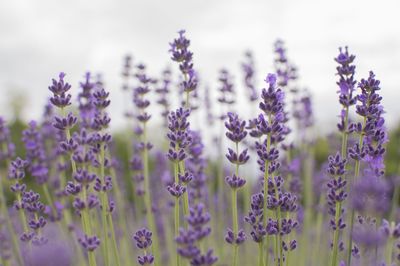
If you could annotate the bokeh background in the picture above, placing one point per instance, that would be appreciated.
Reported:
(38, 39)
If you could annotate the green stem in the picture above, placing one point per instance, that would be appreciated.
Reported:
(86, 224)
(334, 259)
(356, 174)
(235, 225)
(235, 213)
(389, 251)
(104, 207)
(177, 214)
(147, 198)
(395, 200)
(260, 254)
(121, 221)
(178, 260)
(186, 194)
(319, 223)
(114, 240)
(22, 215)
(10, 226)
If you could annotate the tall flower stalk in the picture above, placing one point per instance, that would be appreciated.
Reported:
(180, 53)
(61, 99)
(180, 139)
(100, 142)
(7, 150)
(142, 103)
(270, 125)
(236, 133)
(143, 242)
(336, 188)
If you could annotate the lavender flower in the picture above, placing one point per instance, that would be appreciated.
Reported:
(35, 156)
(346, 83)
(143, 241)
(285, 71)
(197, 230)
(7, 148)
(163, 92)
(248, 69)
(181, 54)
(236, 133)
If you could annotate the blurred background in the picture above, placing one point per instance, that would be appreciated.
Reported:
(38, 39)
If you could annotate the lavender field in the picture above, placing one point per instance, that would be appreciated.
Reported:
(238, 167)
(212, 185)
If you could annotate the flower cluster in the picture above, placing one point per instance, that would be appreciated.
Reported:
(163, 92)
(181, 54)
(143, 146)
(373, 130)
(346, 83)
(336, 190)
(285, 71)
(180, 138)
(227, 90)
(196, 164)
(7, 148)
(187, 240)
(236, 133)
(143, 241)
(249, 76)
(35, 153)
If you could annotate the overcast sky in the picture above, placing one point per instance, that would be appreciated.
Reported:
(38, 39)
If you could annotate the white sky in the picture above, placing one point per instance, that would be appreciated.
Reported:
(38, 39)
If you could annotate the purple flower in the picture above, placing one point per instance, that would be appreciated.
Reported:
(163, 92)
(143, 238)
(178, 134)
(35, 153)
(197, 230)
(235, 182)
(370, 194)
(89, 243)
(227, 92)
(143, 241)
(255, 218)
(248, 69)
(7, 148)
(60, 89)
(17, 169)
(346, 83)
(285, 71)
(181, 54)
(176, 190)
(236, 128)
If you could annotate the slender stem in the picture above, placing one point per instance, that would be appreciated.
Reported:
(318, 226)
(177, 214)
(104, 207)
(186, 194)
(114, 240)
(235, 213)
(147, 198)
(389, 251)
(266, 175)
(395, 199)
(356, 174)
(260, 254)
(178, 260)
(235, 225)
(10, 226)
(187, 104)
(86, 224)
(338, 204)
(22, 215)
(121, 221)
